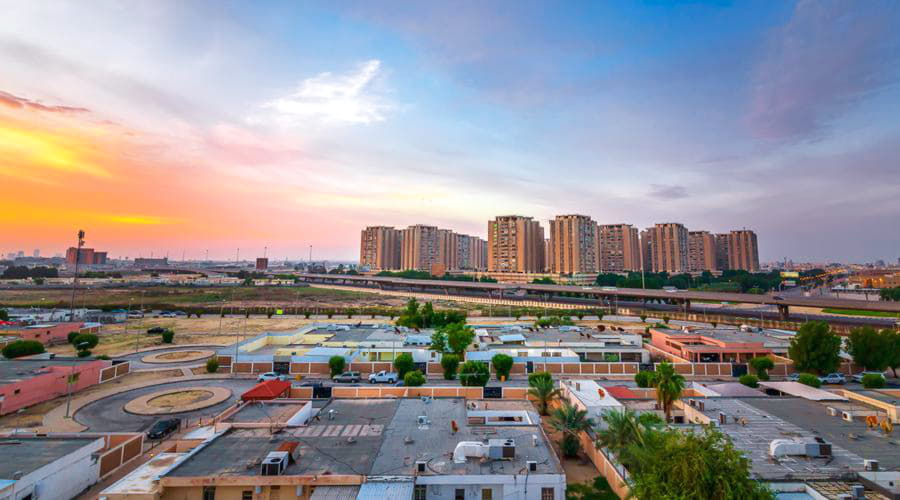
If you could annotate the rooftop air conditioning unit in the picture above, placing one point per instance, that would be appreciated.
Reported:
(422, 420)
(274, 464)
(870, 465)
(501, 449)
(832, 412)
(818, 448)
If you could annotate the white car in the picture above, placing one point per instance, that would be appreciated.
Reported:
(263, 377)
(383, 377)
(833, 378)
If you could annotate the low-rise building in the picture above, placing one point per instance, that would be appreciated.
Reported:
(588, 344)
(717, 345)
(48, 333)
(26, 382)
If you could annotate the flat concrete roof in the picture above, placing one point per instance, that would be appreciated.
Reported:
(28, 454)
(406, 442)
(802, 391)
(141, 480)
(15, 370)
(812, 415)
(763, 426)
(730, 335)
(266, 412)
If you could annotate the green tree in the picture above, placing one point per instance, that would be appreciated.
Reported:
(870, 348)
(427, 314)
(450, 363)
(761, 365)
(168, 336)
(643, 318)
(669, 385)
(410, 316)
(693, 466)
(815, 348)
(893, 361)
(404, 364)
(414, 379)
(534, 377)
(474, 374)
(502, 365)
(212, 365)
(643, 379)
(809, 379)
(337, 364)
(459, 337)
(71, 336)
(83, 353)
(438, 342)
(570, 421)
(4, 315)
(85, 341)
(749, 380)
(544, 391)
(624, 428)
(19, 348)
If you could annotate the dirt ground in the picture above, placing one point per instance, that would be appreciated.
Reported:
(578, 470)
(182, 398)
(33, 415)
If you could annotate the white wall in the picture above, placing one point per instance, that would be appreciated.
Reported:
(519, 487)
(65, 478)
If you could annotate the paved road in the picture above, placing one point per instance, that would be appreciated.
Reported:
(108, 414)
(137, 364)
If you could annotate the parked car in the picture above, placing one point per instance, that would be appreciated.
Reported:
(857, 377)
(347, 377)
(833, 378)
(163, 428)
(135, 315)
(794, 377)
(269, 376)
(167, 315)
(156, 330)
(383, 377)
(312, 384)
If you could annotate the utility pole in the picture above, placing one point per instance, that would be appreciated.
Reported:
(75, 279)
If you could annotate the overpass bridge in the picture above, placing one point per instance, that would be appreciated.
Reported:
(683, 298)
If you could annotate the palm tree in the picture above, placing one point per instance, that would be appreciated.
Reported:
(543, 389)
(570, 421)
(624, 429)
(668, 385)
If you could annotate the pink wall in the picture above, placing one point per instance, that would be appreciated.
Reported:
(51, 334)
(46, 386)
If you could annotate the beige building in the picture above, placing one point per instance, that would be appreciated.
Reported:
(668, 247)
(448, 249)
(421, 247)
(701, 251)
(743, 252)
(381, 248)
(471, 253)
(723, 246)
(619, 248)
(515, 244)
(573, 240)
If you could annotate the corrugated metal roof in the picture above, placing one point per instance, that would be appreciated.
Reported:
(382, 490)
(334, 493)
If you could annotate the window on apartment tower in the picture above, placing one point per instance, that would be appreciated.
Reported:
(247, 495)
(209, 493)
(419, 492)
(547, 494)
(460, 494)
(487, 494)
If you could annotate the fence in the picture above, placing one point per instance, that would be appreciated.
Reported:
(115, 371)
(121, 449)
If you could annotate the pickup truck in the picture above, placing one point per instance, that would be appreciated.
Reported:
(383, 377)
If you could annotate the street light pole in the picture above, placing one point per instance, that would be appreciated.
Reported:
(75, 278)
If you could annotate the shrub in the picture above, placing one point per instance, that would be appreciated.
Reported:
(85, 341)
(450, 363)
(404, 364)
(103, 357)
(551, 321)
(414, 379)
(474, 374)
(761, 365)
(643, 379)
(873, 381)
(83, 353)
(533, 377)
(168, 336)
(21, 348)
(336, 364)
(502, 365)
(643, 318)
(71, 337)
(749, 380)
(307, 314)
(665, 319)
(809, 379)
(212, 365)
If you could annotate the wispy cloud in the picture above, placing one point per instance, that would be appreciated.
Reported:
(335, 99)
(668, 192)
(14, 101)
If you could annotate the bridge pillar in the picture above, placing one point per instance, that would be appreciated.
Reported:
(783, 312)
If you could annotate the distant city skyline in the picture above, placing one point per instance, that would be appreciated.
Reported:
(185, 126)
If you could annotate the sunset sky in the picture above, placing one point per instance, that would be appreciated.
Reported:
(164, 127)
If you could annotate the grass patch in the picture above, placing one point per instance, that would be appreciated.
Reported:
(859, 312)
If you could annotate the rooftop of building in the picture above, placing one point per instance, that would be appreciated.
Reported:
(753, 423)
(27, 454)
(16, 370)
(538, 337)
(731, 335)
(852, 436)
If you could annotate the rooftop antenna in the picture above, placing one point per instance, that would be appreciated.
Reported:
(75, 279)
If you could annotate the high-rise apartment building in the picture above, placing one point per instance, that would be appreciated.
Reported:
(448, 249)
(701, 251)
(87, 256)
(619, 248)
(743, 252)
(381, 248)
(548, 255)
(668, 246)
(421, 247)
(573, 240)
(471, 253)
(723, 244)
(515, 245)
